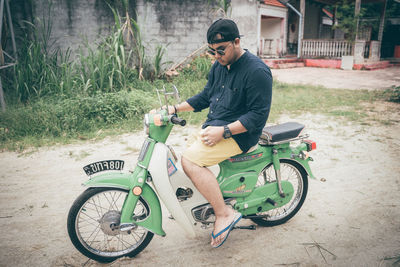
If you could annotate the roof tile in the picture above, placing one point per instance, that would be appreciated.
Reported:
(273, 3)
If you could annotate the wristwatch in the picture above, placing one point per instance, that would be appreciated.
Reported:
(227, 133)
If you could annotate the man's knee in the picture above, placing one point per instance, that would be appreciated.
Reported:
(187, 165)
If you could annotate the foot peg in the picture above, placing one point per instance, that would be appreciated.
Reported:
(124, 227)
(249, 227)
(272, 202)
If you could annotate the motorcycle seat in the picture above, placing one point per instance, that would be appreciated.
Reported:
(280, 132)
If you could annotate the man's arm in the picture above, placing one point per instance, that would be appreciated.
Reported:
(258, 100)
(184, 106)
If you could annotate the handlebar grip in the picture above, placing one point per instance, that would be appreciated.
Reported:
(176, 120)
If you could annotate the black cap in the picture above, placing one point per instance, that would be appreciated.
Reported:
(226, 28)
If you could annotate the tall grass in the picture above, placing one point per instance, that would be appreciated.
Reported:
(117, 63)
(37, 72)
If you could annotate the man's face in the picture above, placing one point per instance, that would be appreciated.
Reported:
(224, 53)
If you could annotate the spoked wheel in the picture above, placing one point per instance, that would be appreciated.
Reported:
(93, 225)
(290, 171)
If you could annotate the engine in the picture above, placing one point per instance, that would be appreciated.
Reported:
(205, 213)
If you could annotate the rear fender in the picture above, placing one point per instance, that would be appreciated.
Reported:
(296, 154)
(153, 222)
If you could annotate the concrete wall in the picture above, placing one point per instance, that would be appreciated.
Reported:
(180, 24)
(72, 21)
(271, 29)
(245, 14)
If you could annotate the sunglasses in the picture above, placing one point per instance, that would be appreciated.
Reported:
(213, 52)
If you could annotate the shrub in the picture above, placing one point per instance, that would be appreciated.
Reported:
(68, 117)
(394, 94)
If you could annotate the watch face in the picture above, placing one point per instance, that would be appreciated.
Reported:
(227, 132)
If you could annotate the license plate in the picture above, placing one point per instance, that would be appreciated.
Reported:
(104, 165)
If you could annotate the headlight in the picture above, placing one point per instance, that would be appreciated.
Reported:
(146, 123)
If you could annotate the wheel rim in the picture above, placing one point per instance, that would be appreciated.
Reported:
(288, 173)
(97, 224)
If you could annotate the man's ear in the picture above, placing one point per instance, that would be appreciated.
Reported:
(237, 41)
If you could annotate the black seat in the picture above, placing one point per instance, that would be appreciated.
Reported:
(280, 132)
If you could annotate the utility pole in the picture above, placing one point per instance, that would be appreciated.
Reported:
(357, 10)
(382, 22)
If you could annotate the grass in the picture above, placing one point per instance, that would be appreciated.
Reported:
(395, 259)
(51, 121)
(300, 99)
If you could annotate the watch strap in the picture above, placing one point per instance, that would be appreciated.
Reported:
(227, 132)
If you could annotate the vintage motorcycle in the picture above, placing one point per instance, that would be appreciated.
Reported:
(119, 212)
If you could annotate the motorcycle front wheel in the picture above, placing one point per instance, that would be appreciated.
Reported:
(292, 172)
(93, 225)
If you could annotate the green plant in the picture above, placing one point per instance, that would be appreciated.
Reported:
(347, 20)
(106, 68)
(72, 117)
(223, 6)
(393, 94)
(158, 61)
(132, 37)
(37, 73)
(199, 67)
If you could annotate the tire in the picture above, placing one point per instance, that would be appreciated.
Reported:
(290, 171)
(93, 222)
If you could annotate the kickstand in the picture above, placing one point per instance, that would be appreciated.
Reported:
(249, 227)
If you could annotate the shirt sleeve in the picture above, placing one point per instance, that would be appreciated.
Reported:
(258, 100)
(202, 99)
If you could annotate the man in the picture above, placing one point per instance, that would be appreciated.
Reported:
(238, 95)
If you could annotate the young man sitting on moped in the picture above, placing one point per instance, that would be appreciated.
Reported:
(238, 95)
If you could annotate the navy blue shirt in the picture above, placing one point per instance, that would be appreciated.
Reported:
(241, 93)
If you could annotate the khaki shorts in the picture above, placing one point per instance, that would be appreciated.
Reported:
(205, 156)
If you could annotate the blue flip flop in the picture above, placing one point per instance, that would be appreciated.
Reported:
(229, 228)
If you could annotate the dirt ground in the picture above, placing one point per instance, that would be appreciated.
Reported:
(342, 79)
(351, 216)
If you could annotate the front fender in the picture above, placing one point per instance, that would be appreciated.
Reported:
(118, 180)
(153, 222)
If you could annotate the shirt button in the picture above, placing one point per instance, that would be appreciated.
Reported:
(222, 86)
(211, 112)
(217, 99)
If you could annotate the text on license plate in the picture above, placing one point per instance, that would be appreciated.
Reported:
(104, 165)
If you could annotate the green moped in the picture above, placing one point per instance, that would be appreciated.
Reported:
(119, 212)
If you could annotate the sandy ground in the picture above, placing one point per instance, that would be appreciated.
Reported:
(351, 216)
(342, 79)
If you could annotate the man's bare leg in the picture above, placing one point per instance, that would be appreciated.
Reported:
(207, 184)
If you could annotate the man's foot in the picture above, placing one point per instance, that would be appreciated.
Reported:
(223, 226)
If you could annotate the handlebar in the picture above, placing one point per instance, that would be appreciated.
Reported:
(176, 120)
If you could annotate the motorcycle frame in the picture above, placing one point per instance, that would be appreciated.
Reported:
(152, 180)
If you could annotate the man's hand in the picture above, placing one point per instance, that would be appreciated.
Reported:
(212, 135)
(171, 110)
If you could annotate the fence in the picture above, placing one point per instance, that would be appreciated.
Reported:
(326, 48)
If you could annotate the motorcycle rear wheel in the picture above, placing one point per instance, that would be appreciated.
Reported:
(290, 171)
(93, 225)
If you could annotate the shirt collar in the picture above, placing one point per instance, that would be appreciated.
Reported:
(237, 62)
